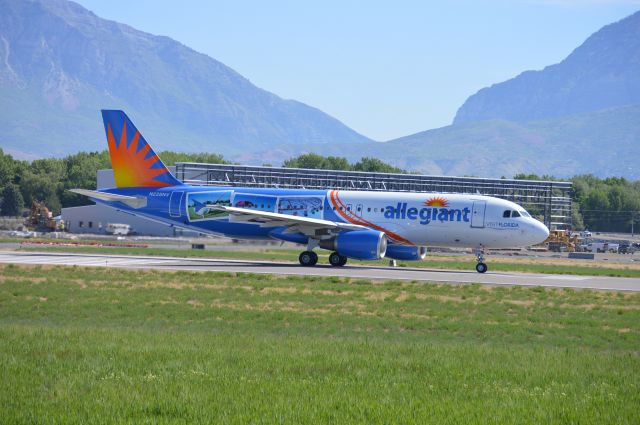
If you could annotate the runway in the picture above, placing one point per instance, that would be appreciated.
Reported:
(350, 271)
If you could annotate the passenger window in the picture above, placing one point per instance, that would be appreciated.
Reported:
(369, 209)
(506, 214)
(515, 214)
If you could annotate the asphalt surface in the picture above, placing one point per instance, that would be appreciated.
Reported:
(351, 271)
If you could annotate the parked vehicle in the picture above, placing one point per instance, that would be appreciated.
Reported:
(118, 229)
(627, 248)
(602, 247)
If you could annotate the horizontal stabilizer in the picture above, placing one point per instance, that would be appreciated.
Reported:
(132, 201)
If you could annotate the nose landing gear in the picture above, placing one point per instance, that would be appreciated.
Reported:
(481, 266)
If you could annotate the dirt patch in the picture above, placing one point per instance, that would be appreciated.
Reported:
(279, 290)
(378, 296)
(290, 306)
(415, 316)
(326, 292)
(195, 303)
(605, 306)
(23, 279)
(402, 297)
(524, 303)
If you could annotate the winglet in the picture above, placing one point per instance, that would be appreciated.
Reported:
(134, 162)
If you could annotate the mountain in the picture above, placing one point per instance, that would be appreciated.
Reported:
(60, 64)
(604, 143)
(602, 73)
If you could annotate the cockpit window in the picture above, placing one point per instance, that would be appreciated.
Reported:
(506, 214)
(515, 214)
(525, 214)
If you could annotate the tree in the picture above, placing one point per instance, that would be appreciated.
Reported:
(7, 169)
(170, 158)
(12, 201)
(308, 160)
(319, 162)
(374, 165)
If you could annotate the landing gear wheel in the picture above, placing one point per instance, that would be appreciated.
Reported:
(308, 258)
(337, 260)
(481, 267)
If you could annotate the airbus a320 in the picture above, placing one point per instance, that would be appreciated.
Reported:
(361, 225)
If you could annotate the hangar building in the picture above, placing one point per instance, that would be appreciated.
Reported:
(549, 201)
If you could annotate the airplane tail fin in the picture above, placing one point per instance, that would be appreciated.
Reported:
(134, 162)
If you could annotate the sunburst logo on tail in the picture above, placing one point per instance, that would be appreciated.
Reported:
(437, 202)
(134, 163)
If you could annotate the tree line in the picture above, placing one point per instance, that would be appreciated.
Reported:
(47, 180)
(610, 204)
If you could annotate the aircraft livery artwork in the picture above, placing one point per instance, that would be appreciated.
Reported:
(352, 224)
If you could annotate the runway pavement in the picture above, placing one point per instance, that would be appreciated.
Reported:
(351, 271)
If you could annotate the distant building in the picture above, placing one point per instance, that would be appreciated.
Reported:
(549, 201)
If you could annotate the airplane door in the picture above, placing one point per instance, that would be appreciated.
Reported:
(359, 209)
(477, 213)
(175, 203)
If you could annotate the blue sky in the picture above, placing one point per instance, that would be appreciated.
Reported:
(386, 69)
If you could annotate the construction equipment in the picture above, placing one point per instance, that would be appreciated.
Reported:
(41, 219)
(561, 241)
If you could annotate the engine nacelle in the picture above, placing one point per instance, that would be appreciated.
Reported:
(358, 244)
(405, 252)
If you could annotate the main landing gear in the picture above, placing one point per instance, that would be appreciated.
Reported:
(481, 266)
(310, 259)
(337, 260)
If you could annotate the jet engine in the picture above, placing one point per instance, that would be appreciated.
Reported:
(405, 252)
(358, 244)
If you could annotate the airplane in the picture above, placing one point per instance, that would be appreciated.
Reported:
(362, 225)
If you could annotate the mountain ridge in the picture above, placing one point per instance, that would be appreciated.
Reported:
(59, 60)
(600, 73)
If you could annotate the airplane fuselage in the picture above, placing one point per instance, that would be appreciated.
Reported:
(418, 219)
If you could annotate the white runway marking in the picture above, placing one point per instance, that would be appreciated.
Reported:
(565, 277)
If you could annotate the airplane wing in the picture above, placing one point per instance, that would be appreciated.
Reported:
(305, 225)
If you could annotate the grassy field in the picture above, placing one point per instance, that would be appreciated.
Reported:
(467, 262)
(83, 345)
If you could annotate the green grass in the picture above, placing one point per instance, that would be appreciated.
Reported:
(81, 345)
(431, 261)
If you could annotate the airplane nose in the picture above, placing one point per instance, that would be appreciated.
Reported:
(539, 232)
